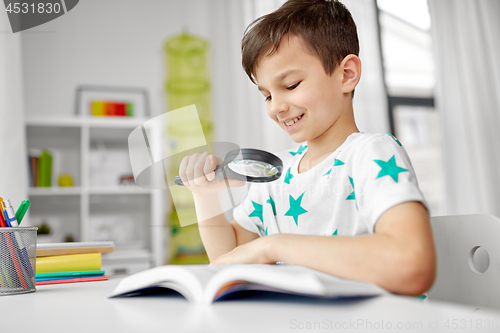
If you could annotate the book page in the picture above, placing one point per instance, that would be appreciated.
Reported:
(280, 278)
(188, 280)
(286, 279)
(337, 287)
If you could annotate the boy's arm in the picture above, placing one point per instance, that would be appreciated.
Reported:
(399, 256)
(218, 235)
(197, 173)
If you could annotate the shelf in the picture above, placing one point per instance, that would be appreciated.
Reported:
(119, 190)
(94, 150)
(48, 191)
(74, 121)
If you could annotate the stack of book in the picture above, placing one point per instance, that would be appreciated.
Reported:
(40, 168)
(70, 262)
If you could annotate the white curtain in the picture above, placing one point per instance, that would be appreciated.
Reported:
(239, 109)
(467, 47)
(13, 157)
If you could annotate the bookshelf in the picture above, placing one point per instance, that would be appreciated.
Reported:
(95, 152)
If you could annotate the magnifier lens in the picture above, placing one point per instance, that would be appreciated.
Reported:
(253, 168)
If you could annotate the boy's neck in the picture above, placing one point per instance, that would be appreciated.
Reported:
(323, 146)
(333, 138)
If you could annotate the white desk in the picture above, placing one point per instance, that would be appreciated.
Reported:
(85, 307)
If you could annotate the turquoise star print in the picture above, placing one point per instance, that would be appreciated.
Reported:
(257, 212)
(351, 196)
(334, 234)
(389, 168)
(392, 136)
(261, 230)
(295, 208)
(336, 163)
(288, 176)
(301, 149)
(271, 202)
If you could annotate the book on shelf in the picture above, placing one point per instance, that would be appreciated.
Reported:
(33, 170)
(209, 283)
(45, 169)
(40, 168)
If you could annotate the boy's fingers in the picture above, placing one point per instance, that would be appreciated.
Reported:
(190, 169)
(236, 183)
(209, 168)
(199, 174)
(182, 170)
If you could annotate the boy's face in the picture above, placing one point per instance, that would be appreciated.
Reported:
(301, 97)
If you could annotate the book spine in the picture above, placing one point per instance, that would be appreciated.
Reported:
(89, 279)
(120, 109)
(130, 110)
(97, 108)
(69, 263)
(45, 169)
(34, 170)
(66, 274)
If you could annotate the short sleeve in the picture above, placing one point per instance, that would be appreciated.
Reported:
(249, 213)
(383, 177)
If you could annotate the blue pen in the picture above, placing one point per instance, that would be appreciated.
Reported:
(18, 238)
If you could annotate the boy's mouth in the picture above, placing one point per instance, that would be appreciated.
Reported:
(292, 121)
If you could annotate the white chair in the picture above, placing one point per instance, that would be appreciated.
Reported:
(468, 260)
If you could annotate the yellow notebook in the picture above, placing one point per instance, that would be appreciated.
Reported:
(69, 263)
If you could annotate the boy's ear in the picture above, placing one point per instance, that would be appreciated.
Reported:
(351, 66)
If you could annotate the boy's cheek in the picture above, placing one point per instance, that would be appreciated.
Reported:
(274, 118)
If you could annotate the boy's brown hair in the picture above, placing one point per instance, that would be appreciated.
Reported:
(326, 27)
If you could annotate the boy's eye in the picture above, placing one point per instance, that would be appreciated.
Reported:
(268, 98)
(293, 86)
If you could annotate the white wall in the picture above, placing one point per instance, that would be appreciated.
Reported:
(13, 170)
(120, 43)
(110, 42)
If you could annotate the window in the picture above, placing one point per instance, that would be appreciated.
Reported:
(409, 74)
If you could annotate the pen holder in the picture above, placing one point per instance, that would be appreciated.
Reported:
(17, 260)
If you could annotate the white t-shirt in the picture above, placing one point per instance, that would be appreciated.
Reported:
(343, 195)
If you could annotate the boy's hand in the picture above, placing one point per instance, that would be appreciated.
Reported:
(254, 252)
(197, 174)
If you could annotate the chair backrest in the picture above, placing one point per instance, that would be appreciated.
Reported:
(468, 256)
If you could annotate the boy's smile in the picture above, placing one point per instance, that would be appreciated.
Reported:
(302, 98)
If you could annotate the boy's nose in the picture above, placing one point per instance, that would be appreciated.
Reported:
(277, 107)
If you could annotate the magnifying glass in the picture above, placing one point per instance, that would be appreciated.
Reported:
(251, 165)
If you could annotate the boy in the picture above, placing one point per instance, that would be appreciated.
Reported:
(348, 202)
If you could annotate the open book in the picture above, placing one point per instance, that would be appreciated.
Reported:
(209, 283)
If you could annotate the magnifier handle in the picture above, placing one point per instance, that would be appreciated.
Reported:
(218, 175)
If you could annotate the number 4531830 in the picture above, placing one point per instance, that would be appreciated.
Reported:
(40, 8)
